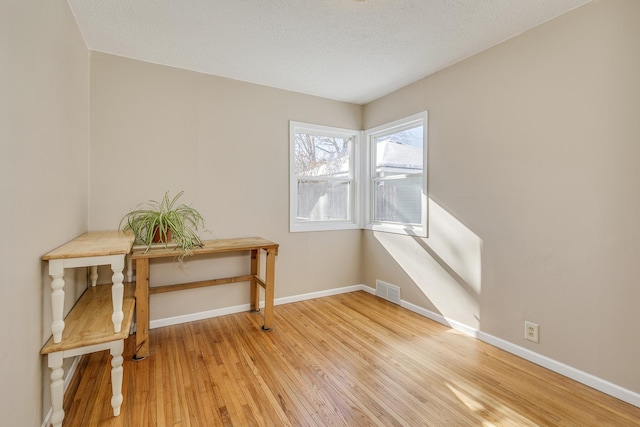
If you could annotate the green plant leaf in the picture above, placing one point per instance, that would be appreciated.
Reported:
(183, 221)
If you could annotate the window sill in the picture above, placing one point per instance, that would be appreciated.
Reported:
(404, 229)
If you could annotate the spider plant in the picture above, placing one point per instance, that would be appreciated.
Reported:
(168, 222)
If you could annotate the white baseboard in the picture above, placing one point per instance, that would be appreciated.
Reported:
(563, 369)
(553, 365)
(599, 384)
(168, 321)
(580, 376)
(192, 317)
(585, 378)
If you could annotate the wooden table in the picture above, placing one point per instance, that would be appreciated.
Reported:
(252, 245)
(88, 250)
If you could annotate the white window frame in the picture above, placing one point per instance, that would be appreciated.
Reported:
(354, 168)
(369, 179)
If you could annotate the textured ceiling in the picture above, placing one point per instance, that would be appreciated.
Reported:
(347, 50)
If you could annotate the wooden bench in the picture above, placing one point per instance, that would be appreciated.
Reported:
(89, 328)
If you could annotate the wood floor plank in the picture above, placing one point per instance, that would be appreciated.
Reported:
(344, 360)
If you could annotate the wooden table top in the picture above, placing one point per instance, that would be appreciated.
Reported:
(208, 247)
(89, 322)
(94, 243)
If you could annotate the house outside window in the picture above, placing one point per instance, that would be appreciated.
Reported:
(396, 180)
(323, 187)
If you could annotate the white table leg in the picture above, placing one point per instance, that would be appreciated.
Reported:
(117, 348)
(117, 293)
(93, 275)
(56, 271)
(57, 388)
(129, 268)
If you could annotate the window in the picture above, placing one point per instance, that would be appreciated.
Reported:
(327, 191)
(323, 187)
(397, 187)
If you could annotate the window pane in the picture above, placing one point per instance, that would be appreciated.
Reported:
(399, 153)
(323, 200)
(322, 155)
(397, 174)
(398, 200)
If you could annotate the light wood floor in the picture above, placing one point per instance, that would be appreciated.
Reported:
(345, 360)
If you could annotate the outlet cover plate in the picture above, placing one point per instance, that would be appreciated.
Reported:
(531, 332)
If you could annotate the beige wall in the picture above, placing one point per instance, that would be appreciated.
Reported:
(44, 127)
(533, 179)
(533, 150)
(157, 129)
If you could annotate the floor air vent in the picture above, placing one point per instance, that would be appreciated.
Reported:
(388, 291)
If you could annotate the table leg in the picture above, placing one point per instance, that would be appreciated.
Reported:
(142, 309)
(56, 271)
(117, 292)
(116, 350)
(57, 388)
(269, 289)
(254, 300)
(129, 268)
(93, 275)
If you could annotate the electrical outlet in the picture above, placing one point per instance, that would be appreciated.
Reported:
(531, 331)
